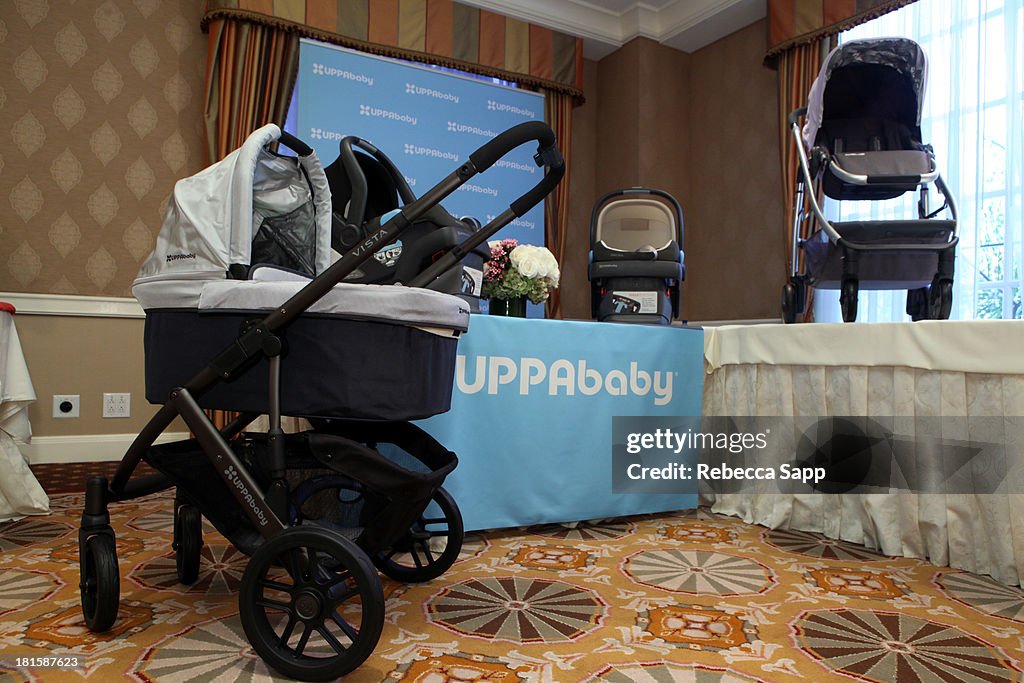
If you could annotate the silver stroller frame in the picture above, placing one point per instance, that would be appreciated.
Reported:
(886, 254)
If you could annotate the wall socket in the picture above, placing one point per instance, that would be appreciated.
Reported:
(117, 405)
(66, 405)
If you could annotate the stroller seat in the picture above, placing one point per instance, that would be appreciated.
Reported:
(861, 140)
(636, 262)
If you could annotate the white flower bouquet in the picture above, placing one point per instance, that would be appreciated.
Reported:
(516, 270)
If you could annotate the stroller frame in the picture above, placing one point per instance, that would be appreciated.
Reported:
(931, 301)
(301, 549)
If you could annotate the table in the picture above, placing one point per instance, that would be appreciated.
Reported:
(532, 409)
(948, 369)
(20, 493)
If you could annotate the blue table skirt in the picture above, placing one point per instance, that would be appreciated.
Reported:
(532, 409)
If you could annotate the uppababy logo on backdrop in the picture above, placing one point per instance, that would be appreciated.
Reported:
(421, 151)
(511, 108)
(321, 70)
(490, 374)
(321, 134)
(378, 113)
(413, 89)
(518, 222)
(456, 127)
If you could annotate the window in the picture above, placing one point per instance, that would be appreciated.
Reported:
(973, 119)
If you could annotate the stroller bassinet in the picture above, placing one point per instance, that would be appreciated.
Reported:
(636, 259)
(862, 141)
(365, 187)
(244, 311)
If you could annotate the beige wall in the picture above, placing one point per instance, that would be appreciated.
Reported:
(703, 128)
(84, 356)
(735, 242)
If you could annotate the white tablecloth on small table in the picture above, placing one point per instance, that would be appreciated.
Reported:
(20, 493)
(924, 369)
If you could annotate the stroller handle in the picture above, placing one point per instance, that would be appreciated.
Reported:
(795, 115)
(547, 155)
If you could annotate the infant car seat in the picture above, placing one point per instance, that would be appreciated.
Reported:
(636, 262)
(366, 187)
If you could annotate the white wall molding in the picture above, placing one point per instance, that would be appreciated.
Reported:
(85, 447)
(75, 306)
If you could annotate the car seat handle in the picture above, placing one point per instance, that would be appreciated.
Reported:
(295, 144)
(357, 203)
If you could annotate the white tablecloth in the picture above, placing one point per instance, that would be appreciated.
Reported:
(927, 369)
(20, 493)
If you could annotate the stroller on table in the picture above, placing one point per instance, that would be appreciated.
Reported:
(244, 312)
(862, 141)
(636, 258)
(365, 187)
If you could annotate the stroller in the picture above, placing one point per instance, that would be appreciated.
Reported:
(244, 312)
(636, 261)
(862, 141)
(365, 186)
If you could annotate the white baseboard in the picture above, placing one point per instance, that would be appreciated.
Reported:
(73, 305)
(85, 447)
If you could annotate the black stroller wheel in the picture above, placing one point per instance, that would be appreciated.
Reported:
(311, 604)
(100, 582)
(188, 542)
(430, 547)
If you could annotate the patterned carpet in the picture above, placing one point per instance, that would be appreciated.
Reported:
(689, 597)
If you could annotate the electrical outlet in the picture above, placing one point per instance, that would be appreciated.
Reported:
(117, 405)
(66, 405)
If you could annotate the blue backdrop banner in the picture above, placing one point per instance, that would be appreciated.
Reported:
(532, 409)
(426, 120)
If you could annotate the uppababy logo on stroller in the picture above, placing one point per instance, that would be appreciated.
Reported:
(171, 258)
(562, 377)
(321, 70)
(233, 479)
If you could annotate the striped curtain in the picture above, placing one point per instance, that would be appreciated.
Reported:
(250, 73)
(792, 23)
(558, 111)
(442, 32)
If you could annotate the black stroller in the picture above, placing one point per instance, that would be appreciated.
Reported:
(636, 259)
(365, 186)
(862, 141)
(233, 321)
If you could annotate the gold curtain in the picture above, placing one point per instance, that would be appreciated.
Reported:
(798, 66)
(250, 74)
(559, 106)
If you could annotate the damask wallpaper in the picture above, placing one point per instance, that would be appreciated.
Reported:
(102, 101)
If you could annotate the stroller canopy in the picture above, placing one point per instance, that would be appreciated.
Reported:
(253, 206)
(893, 90)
